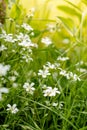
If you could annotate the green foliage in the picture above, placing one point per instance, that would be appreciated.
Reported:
(43, 71)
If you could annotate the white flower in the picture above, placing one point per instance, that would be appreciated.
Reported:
(46, 40)
(12, 78)
(62, 58)
(29, 87)
(15, 85)
(60, 105)
(51, 66)
(50, 92)
(82, 70)
(2, 48)
(31, 12)
(22, 37)
(66, 41)
(3, 90)
(7, 37)
(69, 75)
(13, 109)
(51, 27)
(27, 58)
(63, 72)
(27, 27)
(25, 43)
(4, 69)
(75, 77)
(44, 73)
(54, 104)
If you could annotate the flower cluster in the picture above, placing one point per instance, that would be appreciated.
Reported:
(69, 75)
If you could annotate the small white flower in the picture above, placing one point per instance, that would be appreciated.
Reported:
(51, 66)
(75, 77)
(44, 73)
(50, 92)
(69, 75)
(82, 70)
(7, 37)
(15, 85)
(3, 90)
(62, 58)
(66, 41)
(54, 104)
(29, 87)
(60, 105)
(62, 72)
(2, 48)
(46, 40)
(4, 69)
(31, 12)
(13, 109)
(25, 43)
(27, 27)
(12, 78)
(51, 27)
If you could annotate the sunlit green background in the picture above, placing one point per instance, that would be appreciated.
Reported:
(50, 5)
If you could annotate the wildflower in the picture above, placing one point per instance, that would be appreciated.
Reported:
(50, 92)
(29, 87)
(62, 58)
(31, 12)
(66, 41)
(3, 90)
(2, 48)
(60, 105)
(15, 85)
(51, 27)
(13, 109)
(22, 37)
(63, 72)
(54, 104)
(44, 73)
(7, 37)
(82, 70)
(50, 66)
(27, 27)
(75, 78)
(12, 78)
(27, 58)
(46, 40)
(4, 69)
(25, 43)
(69, 75)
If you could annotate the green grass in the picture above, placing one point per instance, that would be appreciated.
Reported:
(43, 72)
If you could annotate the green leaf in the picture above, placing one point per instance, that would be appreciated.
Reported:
(15, 12)
(85, 2)
(74, 6)
(25, 127)
(68, 24)
(69, 10)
